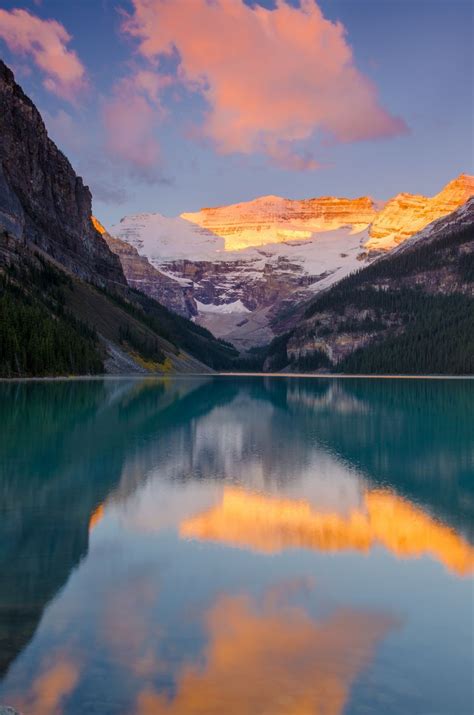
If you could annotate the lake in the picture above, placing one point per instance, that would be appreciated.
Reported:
(237, 546)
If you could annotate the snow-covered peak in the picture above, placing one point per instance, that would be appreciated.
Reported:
(160, 238)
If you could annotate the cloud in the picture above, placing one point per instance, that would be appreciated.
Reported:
(272, 79)
(51, 688)
(272, 660)
(130, 116)
(46, 41)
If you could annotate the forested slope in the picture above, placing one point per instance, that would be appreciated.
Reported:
(410, 312)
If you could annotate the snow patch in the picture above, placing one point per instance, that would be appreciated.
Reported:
(236, 307)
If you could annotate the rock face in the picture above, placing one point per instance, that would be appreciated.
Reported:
(272, 219)
(142, 276)
(407, 214)
(42, 200)
(238, 269)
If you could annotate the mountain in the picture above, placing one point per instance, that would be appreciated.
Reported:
(407, 214)
(42, 201)
(237, 269)
(65, 305)
(410, 311)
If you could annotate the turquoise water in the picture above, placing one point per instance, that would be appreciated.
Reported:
(237, 546)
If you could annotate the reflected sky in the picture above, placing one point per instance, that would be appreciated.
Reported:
(239, 545)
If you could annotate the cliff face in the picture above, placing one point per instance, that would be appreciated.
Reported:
(142, 276)
(272, 219)
(406, 214)
(42, 200)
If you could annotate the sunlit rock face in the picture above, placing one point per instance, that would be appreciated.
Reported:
(272, 219)
(237, 269)
(406, 214)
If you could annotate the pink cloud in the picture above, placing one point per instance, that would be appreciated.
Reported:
(46, 41)
(271, 78)
(129, 117)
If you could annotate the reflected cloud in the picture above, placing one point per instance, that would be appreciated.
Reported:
(50, 689)
(271, 524)
(129, 628)
(269, 660)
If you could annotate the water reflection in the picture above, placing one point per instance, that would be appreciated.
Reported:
(271, 660)
(121, 503)
(271, 524)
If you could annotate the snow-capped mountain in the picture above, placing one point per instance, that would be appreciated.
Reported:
(236, 268)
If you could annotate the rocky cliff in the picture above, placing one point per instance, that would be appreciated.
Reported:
(42, 200)
(142, 276)
(272, 219)
(407, 214)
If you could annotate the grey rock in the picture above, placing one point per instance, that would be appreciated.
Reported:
(42, 200)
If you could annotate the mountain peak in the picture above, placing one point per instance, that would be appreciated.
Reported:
(407, 214)
(461, 187)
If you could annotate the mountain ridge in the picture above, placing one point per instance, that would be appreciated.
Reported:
(313, 246)
(42, 200)
(410, 311)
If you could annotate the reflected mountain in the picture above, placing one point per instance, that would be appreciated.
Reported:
(271, 524)
(70, 448)
(63, 450)
(414, 437)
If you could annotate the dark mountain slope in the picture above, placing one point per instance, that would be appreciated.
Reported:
(54, 323)
(65, 306)
(409, 312)
(41, 197)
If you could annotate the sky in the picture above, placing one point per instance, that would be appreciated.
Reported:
(171, 105)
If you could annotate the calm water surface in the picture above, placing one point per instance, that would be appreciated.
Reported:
(237, 546)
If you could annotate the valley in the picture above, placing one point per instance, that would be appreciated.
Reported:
(325, 284)
(238, 269)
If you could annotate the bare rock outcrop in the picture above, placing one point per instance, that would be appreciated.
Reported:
(42, 200)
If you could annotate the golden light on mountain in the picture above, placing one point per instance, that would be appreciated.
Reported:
(97, 225)
(271, 524)
(407, 214)
(273, 219)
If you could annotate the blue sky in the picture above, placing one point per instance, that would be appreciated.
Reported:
(416, 53)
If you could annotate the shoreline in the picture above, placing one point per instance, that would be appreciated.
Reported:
(187, 376)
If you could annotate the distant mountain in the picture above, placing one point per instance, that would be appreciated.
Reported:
(65, 305)
(411, 311)
(236, 269)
